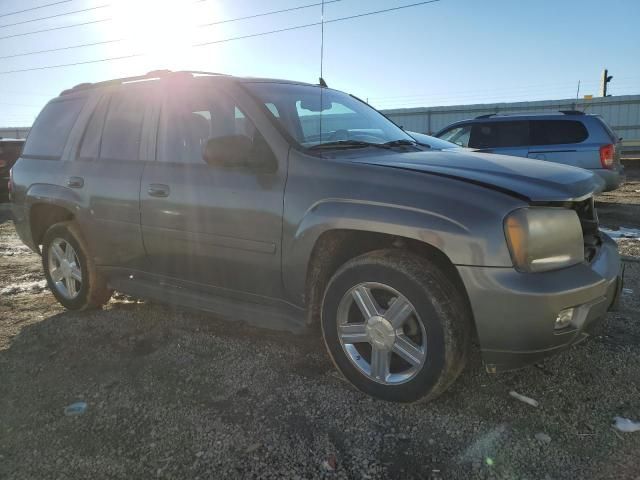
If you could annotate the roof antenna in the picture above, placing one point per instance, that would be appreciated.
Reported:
(321, 80)
(323, 84)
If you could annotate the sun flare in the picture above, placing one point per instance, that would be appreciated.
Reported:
(164, 31)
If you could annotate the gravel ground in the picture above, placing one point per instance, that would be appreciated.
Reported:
(177, 394)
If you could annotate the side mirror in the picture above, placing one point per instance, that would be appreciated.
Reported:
(228, 151)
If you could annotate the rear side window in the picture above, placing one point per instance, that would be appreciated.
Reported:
(499, 134)
(49, 134)
(123, 127)
(557, 132)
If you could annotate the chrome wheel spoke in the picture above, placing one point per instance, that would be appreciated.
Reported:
(56, 274)
(57, 252)
(408, 350)
(365, 301)
(398, 312)
(353, 333)
(380, 361)
(70, 283)
(69, 254)
(76, 274)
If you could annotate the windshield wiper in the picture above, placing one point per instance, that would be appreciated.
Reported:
(349, 144)
(397, 143)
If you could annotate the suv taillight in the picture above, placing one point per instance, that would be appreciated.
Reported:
(607, 154)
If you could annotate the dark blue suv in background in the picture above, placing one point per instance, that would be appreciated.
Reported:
(568, 137)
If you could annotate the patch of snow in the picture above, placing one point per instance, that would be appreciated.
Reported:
(12, 250)
(31, 287)
(626, 425)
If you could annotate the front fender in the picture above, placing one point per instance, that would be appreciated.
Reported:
(462, 244)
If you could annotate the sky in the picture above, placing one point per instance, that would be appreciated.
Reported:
(449, 52)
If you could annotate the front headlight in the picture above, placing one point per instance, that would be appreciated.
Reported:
(544, 238)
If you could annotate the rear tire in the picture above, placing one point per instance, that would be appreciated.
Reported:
(408, 353)
(70, 271)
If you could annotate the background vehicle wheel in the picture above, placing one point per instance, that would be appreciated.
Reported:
(70, 272)
(396, 326)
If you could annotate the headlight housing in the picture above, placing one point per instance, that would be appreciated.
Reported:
(544, 238)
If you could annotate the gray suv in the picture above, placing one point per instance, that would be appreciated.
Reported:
(290, 205)
(569, 137)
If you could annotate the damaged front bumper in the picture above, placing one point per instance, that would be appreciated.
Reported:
(515, 313)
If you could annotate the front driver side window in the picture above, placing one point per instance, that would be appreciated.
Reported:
(189, 122)
(458, 135)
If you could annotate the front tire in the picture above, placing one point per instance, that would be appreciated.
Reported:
(396, 326)
(70, 271)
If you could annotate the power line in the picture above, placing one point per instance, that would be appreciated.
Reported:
(315, 24)
(47, 67)
(301, 7)
(71, 47)
(54, 16)
(224, 40)
(34, 8)
(83, 45)
(64, 14)
(54, 28)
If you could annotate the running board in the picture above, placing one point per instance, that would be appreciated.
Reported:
(263, 315)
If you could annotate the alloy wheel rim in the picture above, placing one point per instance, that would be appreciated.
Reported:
(64, 268)
(381, 333)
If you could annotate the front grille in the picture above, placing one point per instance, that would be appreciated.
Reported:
(589, 220)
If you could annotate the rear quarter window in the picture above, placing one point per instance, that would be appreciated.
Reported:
(612, 135)
(49, 133)
(557, 132)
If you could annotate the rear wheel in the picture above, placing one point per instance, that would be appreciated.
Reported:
(70, 271)
(396, 326)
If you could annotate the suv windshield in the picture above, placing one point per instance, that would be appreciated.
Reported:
(315, 116)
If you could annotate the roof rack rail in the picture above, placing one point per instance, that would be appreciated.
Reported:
(152, 75)
(506, 114)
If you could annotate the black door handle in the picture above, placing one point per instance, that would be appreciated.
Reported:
(158, 190)
(75, 182)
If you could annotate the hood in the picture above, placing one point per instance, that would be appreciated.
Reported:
(534, 180)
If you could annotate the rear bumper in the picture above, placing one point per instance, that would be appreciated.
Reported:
(612, 178)
(21, 223)
(515, 312)
(4, 185)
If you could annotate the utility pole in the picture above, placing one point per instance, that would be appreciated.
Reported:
(606, 78)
